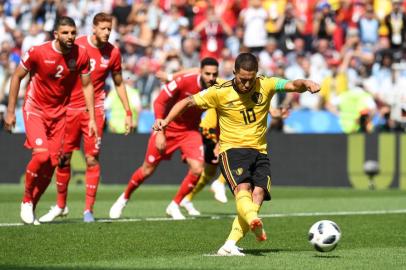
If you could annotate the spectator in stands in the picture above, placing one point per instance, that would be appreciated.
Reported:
(324, 23)
(253, 19)
(146, 82)
(140, 30)
(34, 37)
(289, 29)
(396, 24)
(276, 13)
(368, 26)
(121, 12)
(212, 32)
(171, 25)
(47, 13)
(335, 83)
(188, 54)
(7, 25)
(269, 56)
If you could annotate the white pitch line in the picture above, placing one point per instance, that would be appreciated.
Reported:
(304, 214)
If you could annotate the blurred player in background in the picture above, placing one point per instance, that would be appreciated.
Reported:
(182, 134)
(242, 105)
(210, 131)
(54, 68)
(104, 58)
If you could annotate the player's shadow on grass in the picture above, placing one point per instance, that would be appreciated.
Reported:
(263, 251)
(326, 256)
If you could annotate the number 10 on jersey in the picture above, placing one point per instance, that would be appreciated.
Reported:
(249, 116)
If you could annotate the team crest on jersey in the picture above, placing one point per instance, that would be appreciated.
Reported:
(257, 98)
(104, 60)
(72, 64)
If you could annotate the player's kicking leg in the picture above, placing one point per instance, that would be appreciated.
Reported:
(238, 231)
(138, 177)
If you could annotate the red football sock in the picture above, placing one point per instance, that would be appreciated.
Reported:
(38, 160)
(44, 178)
(62, 182)
(92, 182)
(136, 180)
(186, 187)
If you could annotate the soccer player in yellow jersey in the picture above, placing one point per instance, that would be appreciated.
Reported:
(242, 105)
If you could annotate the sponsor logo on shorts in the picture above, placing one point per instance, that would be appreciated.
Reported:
(151, 158)
(38, 141)
(239, 171)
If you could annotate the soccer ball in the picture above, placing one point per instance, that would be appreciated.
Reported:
(324, 235)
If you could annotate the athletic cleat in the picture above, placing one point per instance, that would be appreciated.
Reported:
(230, 250)
(88, 216)
(36, 222)
(65, 212)
(173, 211)
(257, 228)
(188, 205)
(117, 208)
(53, 213)
(27, 213)
(219, 190)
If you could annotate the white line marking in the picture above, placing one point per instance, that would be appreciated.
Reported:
(305, 214)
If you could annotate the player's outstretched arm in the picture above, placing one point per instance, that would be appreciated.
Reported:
(302, 85)
(88, 92)
(122, 94)
(10, 119)
(177, 109)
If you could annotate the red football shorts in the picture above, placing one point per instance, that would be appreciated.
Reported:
(188, 142)
(77, 125)
(44, 133)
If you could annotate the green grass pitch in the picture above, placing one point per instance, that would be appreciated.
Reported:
(373, 225)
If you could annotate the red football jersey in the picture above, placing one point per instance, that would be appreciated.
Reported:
(53, 76)
(102, 61)
(174, 91)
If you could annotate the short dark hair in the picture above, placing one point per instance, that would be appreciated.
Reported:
(246, 61)
(64, 20)
(209, 61)
(102, 17)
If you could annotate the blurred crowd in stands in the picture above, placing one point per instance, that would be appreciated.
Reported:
(354, 48)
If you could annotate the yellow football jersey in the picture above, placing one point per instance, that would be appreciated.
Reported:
(208, 125)
(242, 117)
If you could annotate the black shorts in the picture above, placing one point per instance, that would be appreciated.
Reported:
(246, 165)
(209, 146)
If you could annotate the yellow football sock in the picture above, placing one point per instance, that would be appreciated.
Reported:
(245, 207)
(221, 179)
(238, 229)
(256, 207)
(208, 173)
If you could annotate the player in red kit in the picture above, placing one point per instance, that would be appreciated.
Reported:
(183, 134)
(54, 68)
(104, 58)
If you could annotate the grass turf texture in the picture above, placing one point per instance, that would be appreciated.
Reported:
(370, 241)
